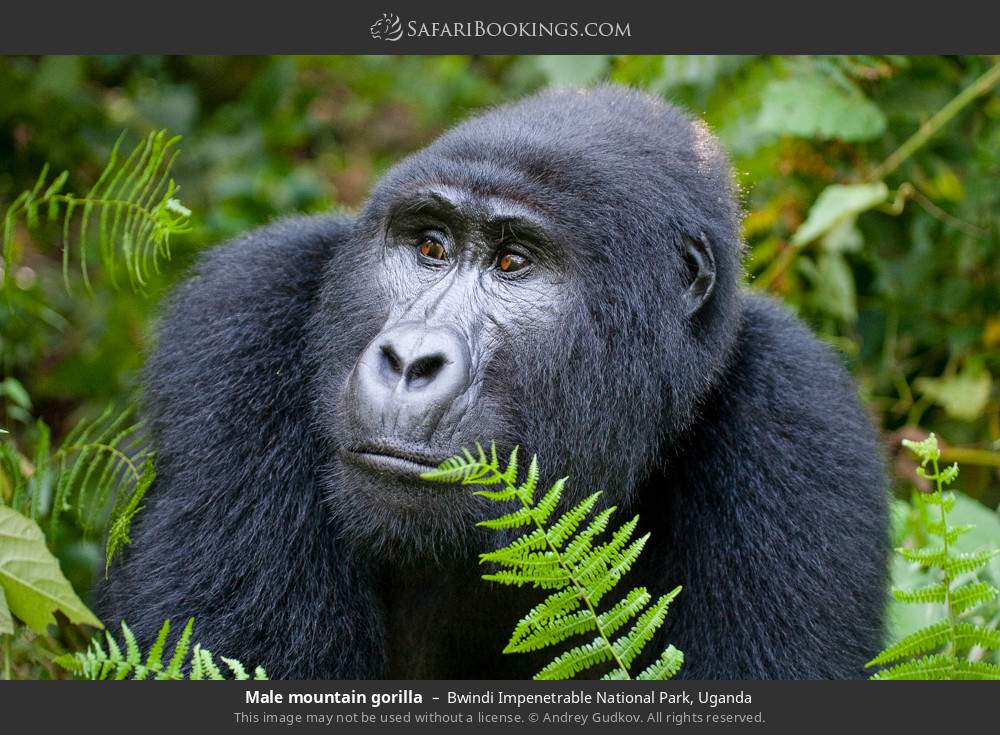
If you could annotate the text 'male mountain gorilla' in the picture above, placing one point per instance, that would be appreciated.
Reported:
(560, 274)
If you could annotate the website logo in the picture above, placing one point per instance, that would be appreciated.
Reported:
(387, 28)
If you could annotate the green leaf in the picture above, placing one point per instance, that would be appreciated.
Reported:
(968, 635)
(6, 622)
(520, 517)
(961, 563)
(814, 107)
(834, 290)
(630, 645)
(837, 204)
(932, 593)
(572, 662)
(669, 663)
(977, 670)
(970, 596)
(935, 667)
(558, 630)
(962, 396)
(922, 641)
(31, 578)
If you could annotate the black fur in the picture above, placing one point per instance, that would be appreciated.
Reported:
(734, 433)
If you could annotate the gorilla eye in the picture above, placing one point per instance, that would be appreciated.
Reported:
(510, 262)
(431, 248)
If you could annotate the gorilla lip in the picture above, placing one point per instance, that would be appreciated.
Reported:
(391, 460)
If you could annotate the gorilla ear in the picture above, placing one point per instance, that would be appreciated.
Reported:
(700, 271)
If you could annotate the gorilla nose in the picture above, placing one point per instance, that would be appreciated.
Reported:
(409, 376)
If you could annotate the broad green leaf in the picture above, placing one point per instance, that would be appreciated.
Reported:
(6, 622)
(835, 291)
(31, 578)
(572, 70)
(836, 205)
(814, 107)
(962, 396)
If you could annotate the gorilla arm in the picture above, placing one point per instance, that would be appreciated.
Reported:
(776, 514)
(234, 531)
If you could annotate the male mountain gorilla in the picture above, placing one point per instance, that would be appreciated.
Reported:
(561, 274)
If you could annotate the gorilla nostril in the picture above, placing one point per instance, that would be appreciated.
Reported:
(390, 364)
(424, 369)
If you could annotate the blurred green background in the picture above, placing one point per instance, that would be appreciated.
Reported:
(908, 290)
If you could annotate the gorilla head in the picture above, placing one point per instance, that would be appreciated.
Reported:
(559, 274)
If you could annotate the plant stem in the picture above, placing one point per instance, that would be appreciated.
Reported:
(938, 120)
(939, 492)
(969, 455)
(7, 656)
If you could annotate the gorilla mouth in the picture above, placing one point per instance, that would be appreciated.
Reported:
(392, 460)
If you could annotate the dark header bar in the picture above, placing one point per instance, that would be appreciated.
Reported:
(440, 27)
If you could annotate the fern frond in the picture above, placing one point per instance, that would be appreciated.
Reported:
(518, 548)
(175, 667)
(465, 468)
(556, 604)
(516, 519)
(624, 610)
(543, 509)
(569, 521)
(572, 662)
(950, 534)
(527, 489)
(118, 533)
(630, 645)
(943, 500)
(933, 556)
(112, 663)
(128, 216)
(970, 562)
(970, 595)
(941, 650)
(934, 667)
(203, 666)
(921, 641)
(563, 627)
(968, 635)
(581, 544)
(977, 670)
(547, 580)
(666, 666)
(567, 559)
(102, 466)
(932, 593)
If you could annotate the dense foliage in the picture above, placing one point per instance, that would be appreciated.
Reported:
(870, 186)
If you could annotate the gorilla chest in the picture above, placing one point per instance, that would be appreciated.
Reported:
(447, 624)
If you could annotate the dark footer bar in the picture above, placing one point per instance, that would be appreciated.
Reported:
(257, 707)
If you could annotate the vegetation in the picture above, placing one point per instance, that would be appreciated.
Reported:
(112, 663)
(953, 647)
(566, 558)
(869, 185)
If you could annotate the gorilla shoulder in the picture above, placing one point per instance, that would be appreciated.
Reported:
(283, 260)
(239, 320)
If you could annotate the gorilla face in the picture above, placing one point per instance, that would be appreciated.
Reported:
(520, 281)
